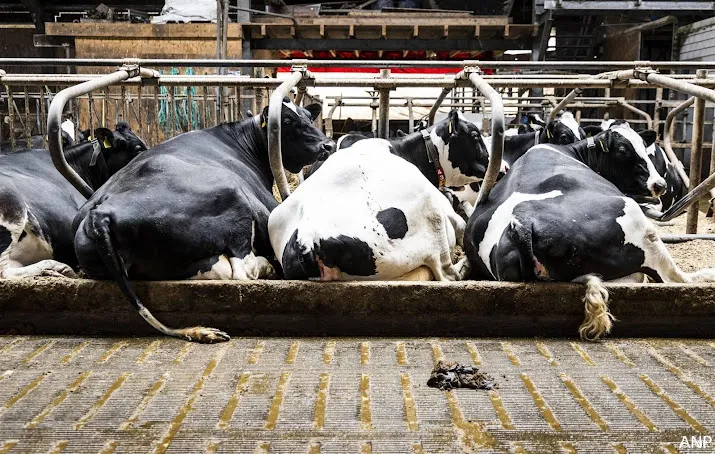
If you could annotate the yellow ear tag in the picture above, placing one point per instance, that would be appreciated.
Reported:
(450, 127)
(263, 125)
(548, 134)
(107, 144)
(602, 147)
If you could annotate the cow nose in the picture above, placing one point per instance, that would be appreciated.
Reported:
(328, 146)
(659, 188)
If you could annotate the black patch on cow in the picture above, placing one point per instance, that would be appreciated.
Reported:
(22, 235)
(5, 239)
(297, 265)
(394, 222)
(350, 255)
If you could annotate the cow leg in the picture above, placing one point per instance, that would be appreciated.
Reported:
(659, 260)
(251, 267)
(24, 252)
(635, 278)
(441, 265)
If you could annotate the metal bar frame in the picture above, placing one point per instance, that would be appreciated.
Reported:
(275, 63)
(274, 127)
(54, 119)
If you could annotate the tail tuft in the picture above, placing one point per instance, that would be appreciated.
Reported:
(597, 320)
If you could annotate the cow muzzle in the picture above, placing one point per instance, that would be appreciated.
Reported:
(326, 148)
(657, 187)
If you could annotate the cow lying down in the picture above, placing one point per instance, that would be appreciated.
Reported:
(560, 214)
(373, 210)
(563, 130)
(37, 204)
(194, 207)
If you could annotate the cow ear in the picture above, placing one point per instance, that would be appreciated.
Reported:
(592, 130)
(105, 136)
(648, 137)
(314, 109)
(550, 130)
(400, 133)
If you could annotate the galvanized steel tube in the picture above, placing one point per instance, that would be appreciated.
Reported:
(197, 62)
(437, 103)
(54, 119)
(668, 140)
(564, 102)
(637, 111)
(696, 162)
(274, 130)
(498, 123)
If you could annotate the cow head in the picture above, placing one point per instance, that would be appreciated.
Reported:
(302, 143)
(627, 164)
(462, 152)
(120, 146)
(564, 130)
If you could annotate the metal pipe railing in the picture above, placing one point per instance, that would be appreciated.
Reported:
(668, 140)
(54, 119)
(393, 82)
(696, 152)
(498, 123)
(329, 118)
(275, 107)
(275, 63)
(637, 111)
(437, 104)
(564, 102)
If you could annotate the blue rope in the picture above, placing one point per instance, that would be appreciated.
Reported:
(179, 109)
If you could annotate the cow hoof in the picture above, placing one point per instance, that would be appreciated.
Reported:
(205, 335)
(56, 269)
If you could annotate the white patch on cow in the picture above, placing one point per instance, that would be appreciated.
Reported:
(637, 141)
(221, 270)
(68, 127)
(30, 249)
(641, 233)
(511, 132)
(344, 198)
(291, 106)
(651, 149)
(605, 124)
(503, 217)
(570, 122)
(340, 140)
(452, 175)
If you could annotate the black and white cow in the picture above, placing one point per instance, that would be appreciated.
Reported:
(38, 205)
(676, 189)
(374, 210)
(194, 207)
(562, 131)
(560, 214)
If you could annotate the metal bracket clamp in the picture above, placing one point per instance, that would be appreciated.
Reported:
(642, 72)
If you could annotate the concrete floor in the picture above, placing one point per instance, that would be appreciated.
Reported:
(320, 395)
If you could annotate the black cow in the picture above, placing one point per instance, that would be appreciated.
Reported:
(560, 214)
(38, 205)
(36, 143)
(194, 207)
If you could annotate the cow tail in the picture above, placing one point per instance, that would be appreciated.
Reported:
(597, 320)
(101, 237)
